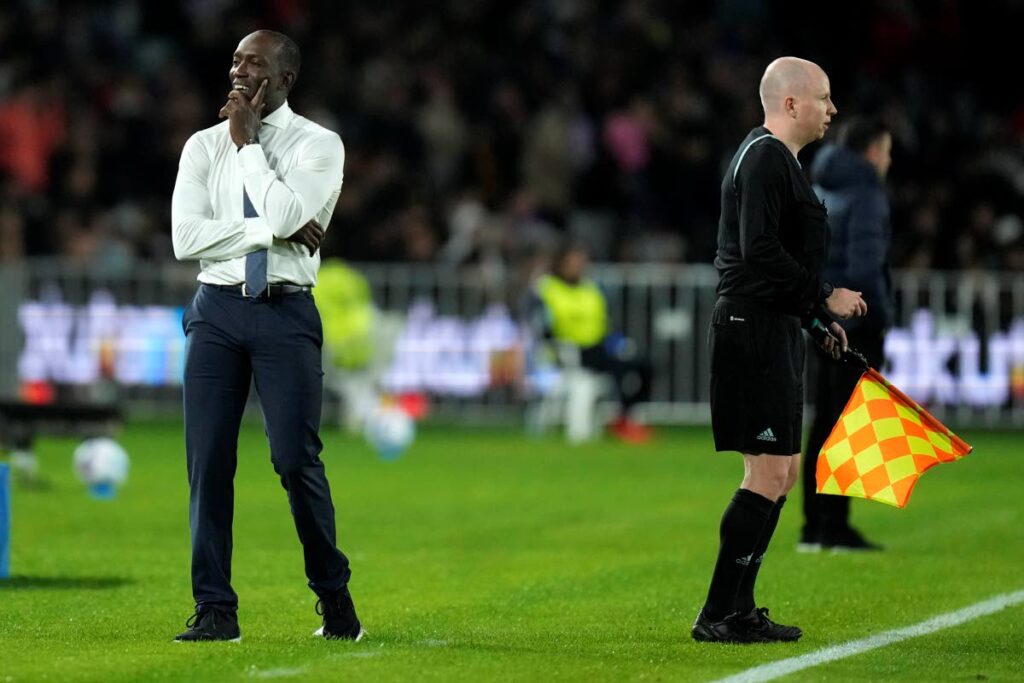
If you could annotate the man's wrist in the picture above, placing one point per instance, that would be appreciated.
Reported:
(825, 291)
(252, 140)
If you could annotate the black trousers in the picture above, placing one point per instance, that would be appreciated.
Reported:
(632, 375)
(231, 340)
(835, 383)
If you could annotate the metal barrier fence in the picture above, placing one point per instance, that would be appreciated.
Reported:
(958, 346)
(664, 309)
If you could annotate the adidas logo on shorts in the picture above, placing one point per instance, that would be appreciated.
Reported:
(767, 435)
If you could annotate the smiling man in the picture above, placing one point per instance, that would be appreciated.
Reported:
(772, 241)
(251, 199)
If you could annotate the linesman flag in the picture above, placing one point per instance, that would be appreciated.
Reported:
(882, 444)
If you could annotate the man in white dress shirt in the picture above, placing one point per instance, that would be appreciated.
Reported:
(251, 197)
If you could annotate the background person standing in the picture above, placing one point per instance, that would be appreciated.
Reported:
(849, 177)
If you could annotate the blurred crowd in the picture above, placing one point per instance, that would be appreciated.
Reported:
(478, 132)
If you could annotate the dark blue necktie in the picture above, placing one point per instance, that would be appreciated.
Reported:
(255, 261)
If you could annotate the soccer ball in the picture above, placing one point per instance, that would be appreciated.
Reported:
(389, 430)
(102, 465)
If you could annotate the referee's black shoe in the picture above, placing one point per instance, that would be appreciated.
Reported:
(340, 620)
(731, 629)
(211, 622)
(757, 624)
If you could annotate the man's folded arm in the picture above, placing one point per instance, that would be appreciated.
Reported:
(194, 232)
(289, 202)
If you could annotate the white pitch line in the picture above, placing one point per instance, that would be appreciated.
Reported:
(277, 673)
(783, 667)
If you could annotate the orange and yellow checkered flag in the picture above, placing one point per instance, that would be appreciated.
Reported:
(882, 444)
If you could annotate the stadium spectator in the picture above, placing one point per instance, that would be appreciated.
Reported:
(32, 124)
(476, 103)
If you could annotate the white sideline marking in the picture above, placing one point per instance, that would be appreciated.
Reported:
(783, 667)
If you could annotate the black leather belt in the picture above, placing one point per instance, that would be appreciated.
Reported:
(273, 289)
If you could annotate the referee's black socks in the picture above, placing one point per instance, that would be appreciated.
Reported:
(746, 520)
(745, 597)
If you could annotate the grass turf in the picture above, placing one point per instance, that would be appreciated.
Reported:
(485, 554)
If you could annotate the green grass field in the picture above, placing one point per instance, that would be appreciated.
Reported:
(488, 555)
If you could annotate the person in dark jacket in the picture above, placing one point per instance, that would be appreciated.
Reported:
(849, 177)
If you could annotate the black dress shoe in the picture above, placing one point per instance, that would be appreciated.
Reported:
(810, 542)
(847, 540)
(340, 620)
(211, 622)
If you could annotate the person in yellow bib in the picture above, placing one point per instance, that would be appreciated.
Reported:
(346, 308)
(572, 310)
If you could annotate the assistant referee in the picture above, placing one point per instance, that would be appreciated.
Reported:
(772, 242)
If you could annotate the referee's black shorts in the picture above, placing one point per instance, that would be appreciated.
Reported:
(757, 367)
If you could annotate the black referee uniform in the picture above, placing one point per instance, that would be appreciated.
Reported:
(772, 241)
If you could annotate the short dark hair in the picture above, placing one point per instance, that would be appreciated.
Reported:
(287, 51)
(565, 247)
(859, 132)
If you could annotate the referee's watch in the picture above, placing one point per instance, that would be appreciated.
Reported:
(826, 291)
(254, 140)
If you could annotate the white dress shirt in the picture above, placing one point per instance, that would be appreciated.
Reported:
(293, 174)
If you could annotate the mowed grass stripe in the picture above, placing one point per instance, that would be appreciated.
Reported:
(483, 554)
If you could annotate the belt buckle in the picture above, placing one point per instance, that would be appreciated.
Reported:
(247, 295)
